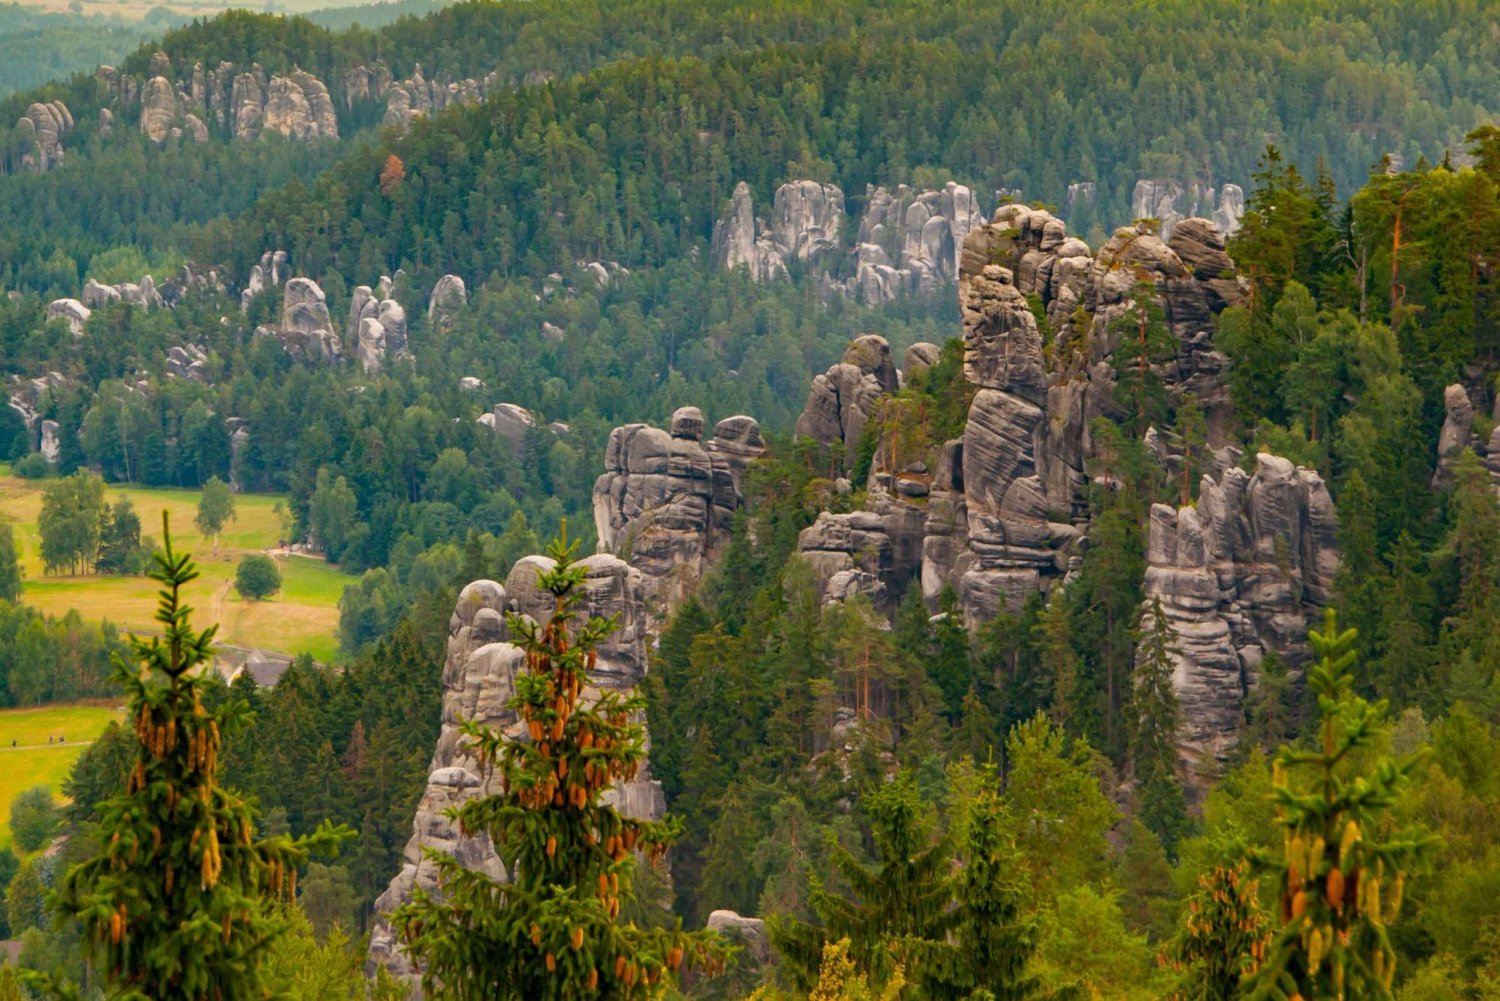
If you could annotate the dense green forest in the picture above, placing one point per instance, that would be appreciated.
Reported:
(1007, 817)
(37, 47)
(1010, 96)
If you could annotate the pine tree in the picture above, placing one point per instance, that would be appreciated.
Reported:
(995, 935)
(1342, 872)
(1192, 428)
(551, 932)
(1145, 344)
(176, 905)
(904, 896)
(1155, 718)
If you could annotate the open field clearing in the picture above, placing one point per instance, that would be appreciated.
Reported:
(34, 762)
(302, 618)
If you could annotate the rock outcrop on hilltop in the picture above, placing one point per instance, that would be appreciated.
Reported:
(39, 134)
(1170, 203)
(907, 242)
(667, 498)
(306, 329)
(241, 103)
(1244, 572)
(805, 224)
(376, 328)
(479, 675)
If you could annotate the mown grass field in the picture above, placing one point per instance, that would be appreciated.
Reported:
(303, 618)
(34, 762)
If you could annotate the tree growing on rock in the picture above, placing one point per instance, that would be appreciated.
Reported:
(552, 931)
(1343, 868)
(1155, 717)
(178, 901)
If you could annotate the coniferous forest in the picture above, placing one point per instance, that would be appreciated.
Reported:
(827, 500)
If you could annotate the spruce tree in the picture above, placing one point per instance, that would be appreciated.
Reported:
(995, 933)
(552, 930)
(1155, 717)
(177, 903)
(904, 896)
(1224, 935)
(1342, 873)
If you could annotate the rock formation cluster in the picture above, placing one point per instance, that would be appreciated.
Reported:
(667, 498)
(804, 225)
(1243, 572)
(1171, 203)
(39, 135)
(240, 103)
(306, 328)
(376, 327)
(907, 241)
(1002, 511)
(479, 675)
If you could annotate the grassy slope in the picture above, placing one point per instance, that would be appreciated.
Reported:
(34, 762)
(302, 618)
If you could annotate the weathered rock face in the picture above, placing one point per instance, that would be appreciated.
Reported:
(416, 95)
(749, 933)
(842, 399)
(306, 329)
(449, 296)
(243, 103)
(479, 675)
(999, 513)
(1243, 573)
(39, 135)
(188, 361)
(1456, 435)
(377, 328)
(910, 241)
(919, 358)
(267, 274)
(806, 219)
(510, 421)
(158, 109)
(71, 311)
(1171, 203)
(667, 498)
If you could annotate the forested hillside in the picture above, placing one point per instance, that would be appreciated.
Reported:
(1040, 468)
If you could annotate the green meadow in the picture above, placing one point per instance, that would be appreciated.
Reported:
(302, 618)
(33, 761)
